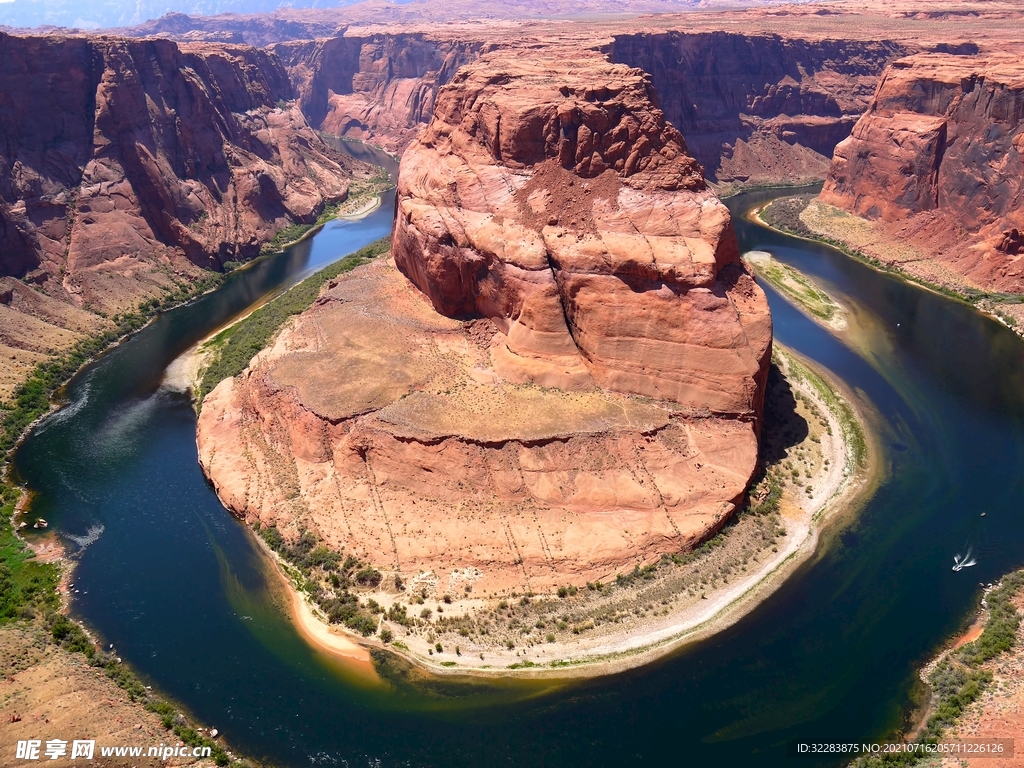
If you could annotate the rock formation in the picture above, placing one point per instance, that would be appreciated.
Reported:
(937, 160)
(567, 384)
(161, 152)
(757, 108)
(573, 217)
(380, 87)
(760, 108)
(128, 166)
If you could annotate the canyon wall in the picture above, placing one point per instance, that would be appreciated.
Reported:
(381, 88)
(937, 160)
(754, 108)
(559, 375)
(759, 108)
(127, 167)
(120, 155)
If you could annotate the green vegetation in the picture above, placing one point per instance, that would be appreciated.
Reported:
(959, 678)
(234, 347)
(32, 398)
(26, 585)
(380, 181)
(1001, 627)
(525, 664)
(321, 573)
(783, 214)
(796, 287)
(852, 431)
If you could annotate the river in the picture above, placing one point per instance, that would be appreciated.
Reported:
(181, 590)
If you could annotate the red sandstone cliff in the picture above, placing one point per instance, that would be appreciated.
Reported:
(380, 88)
(937, 160)
(754, 107)
(760, 108)
(569, 380)
(570, 213)
(124, 157)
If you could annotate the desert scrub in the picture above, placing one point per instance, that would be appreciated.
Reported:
(233, 348)
(322, 574)
(784, 214)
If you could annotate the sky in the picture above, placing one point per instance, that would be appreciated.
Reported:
(93, 14)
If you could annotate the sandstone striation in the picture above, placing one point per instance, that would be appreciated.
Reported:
(380, 87)
(569, 212)
(129, 166)
(557, 377)
(936, 161)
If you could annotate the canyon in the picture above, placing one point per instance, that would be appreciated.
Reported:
(131, 168)
(224, 111)
(180, 152)
(557, 377)
(936, 162)
(575, 356)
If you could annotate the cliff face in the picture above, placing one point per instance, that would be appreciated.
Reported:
(755, 108)
(571, 214)
(759, 108)
(380, 88)
(120, 155)
(561, 255)
(941, 145)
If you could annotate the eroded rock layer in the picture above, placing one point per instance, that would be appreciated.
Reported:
(552, 196)
(567, 384)
(760, 108)
(127, 160)
(937, 161)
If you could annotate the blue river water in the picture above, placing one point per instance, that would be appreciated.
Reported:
(181, 590)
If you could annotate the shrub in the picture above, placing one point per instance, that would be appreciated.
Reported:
(369, 577)
(397, 614)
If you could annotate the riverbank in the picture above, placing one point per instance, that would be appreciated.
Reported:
(36, 573)
(44, 683)
(651, 612)
(975, 684)
(53, 670)
(362, 200)
(816, 303)
(807, 218)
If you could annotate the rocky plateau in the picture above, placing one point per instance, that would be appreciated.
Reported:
(559, 374)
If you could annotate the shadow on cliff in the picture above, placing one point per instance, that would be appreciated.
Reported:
(783, 426)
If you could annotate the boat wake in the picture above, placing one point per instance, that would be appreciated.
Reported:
(966, 561)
